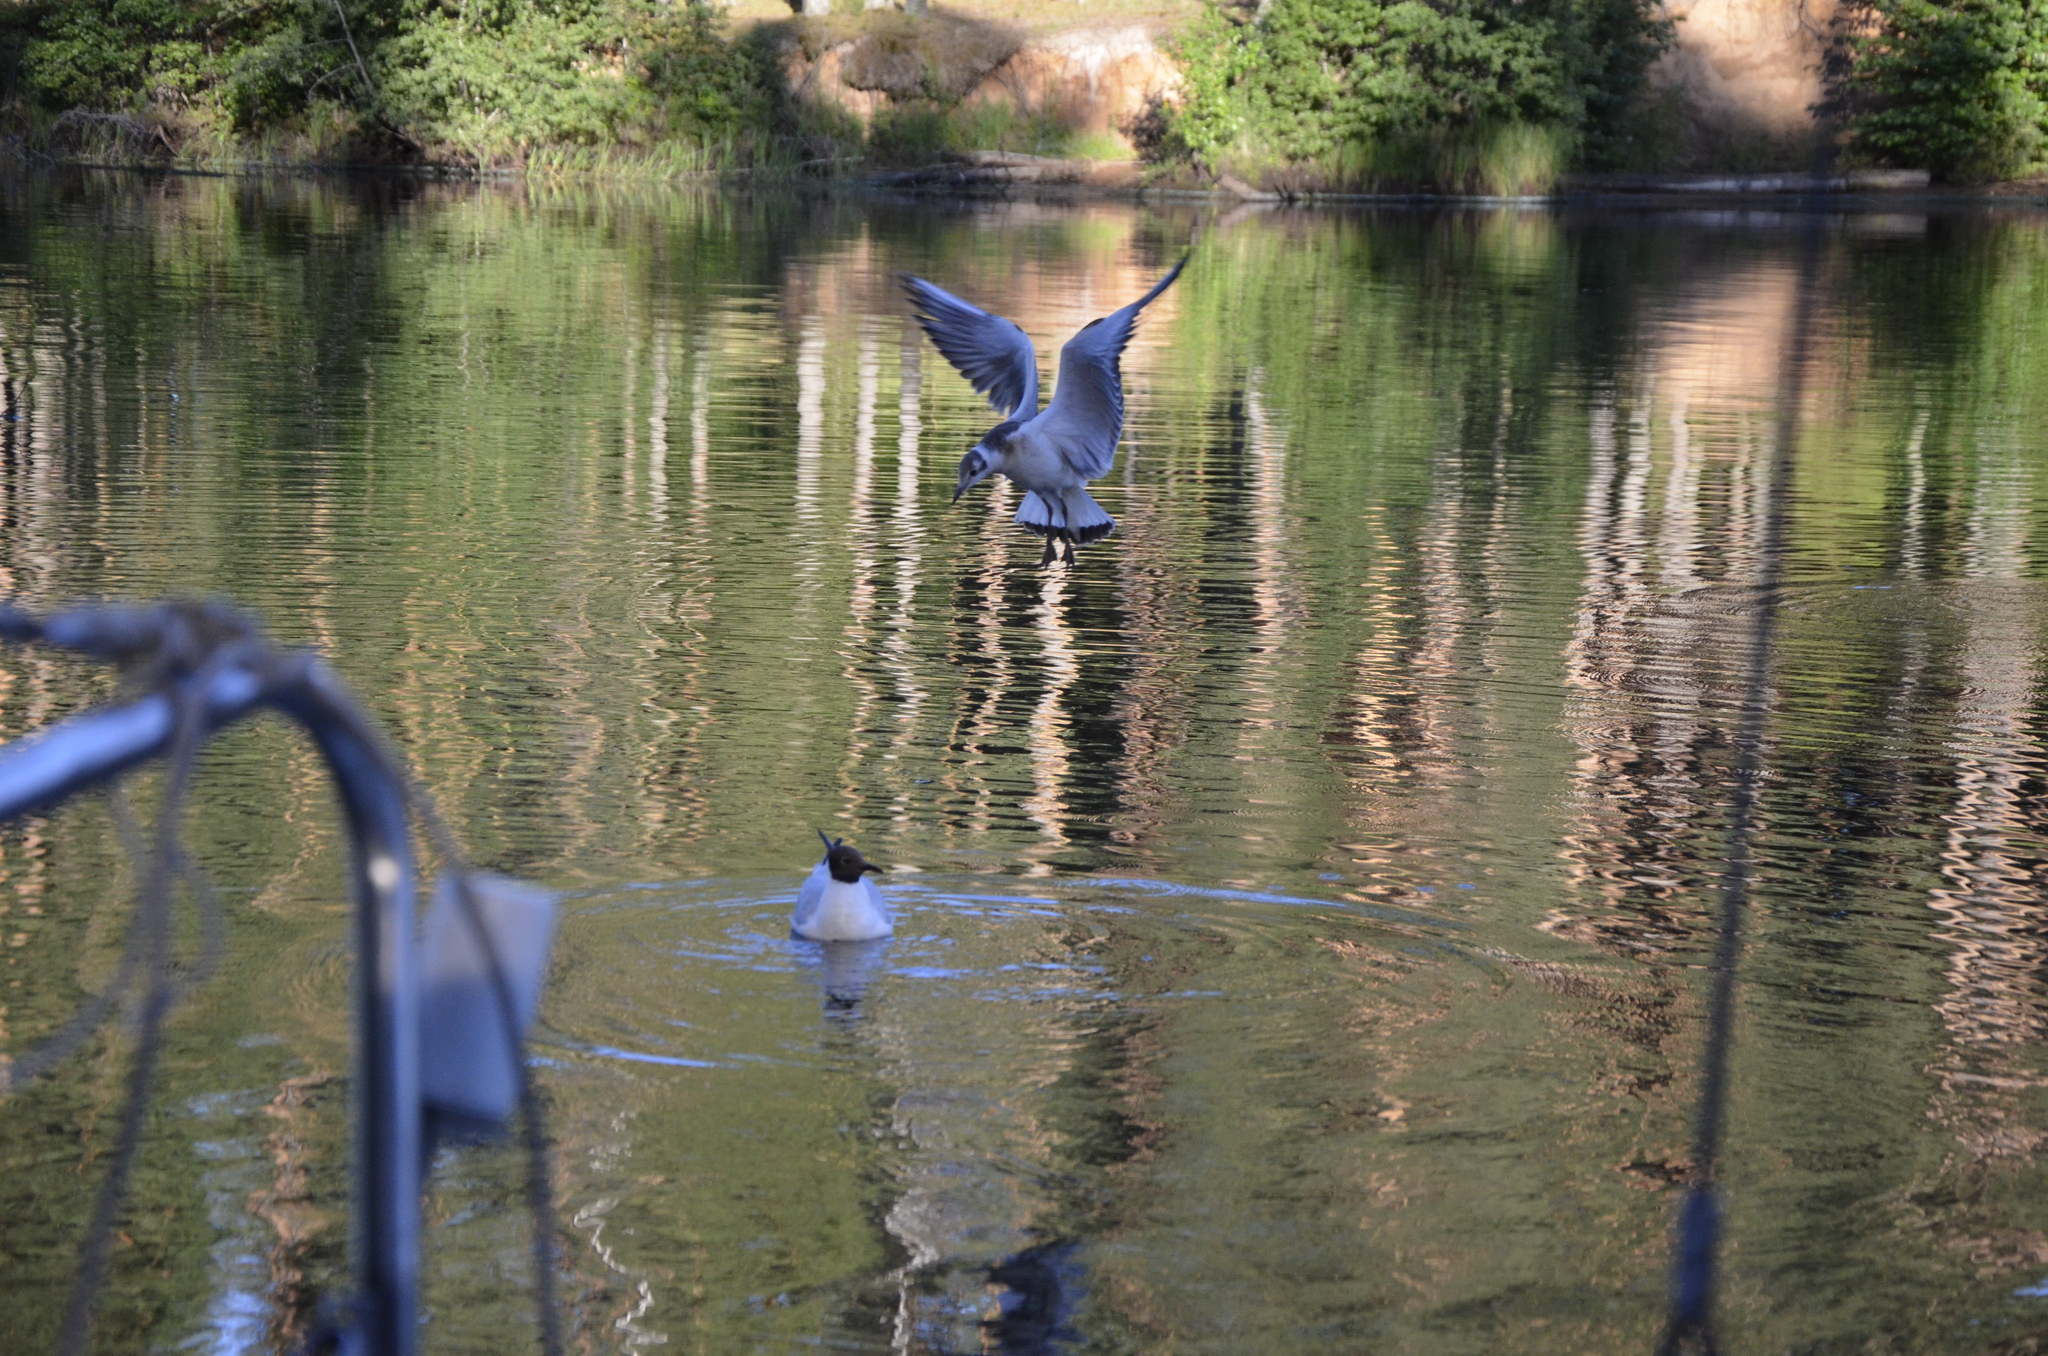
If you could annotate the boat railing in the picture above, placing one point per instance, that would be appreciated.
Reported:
(439, 1015)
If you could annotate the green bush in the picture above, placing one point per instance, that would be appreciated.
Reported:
(535, 75)
(707, 87)
(1498, 159)
(1218, 59)
(120, 54)
(920, 132)
(473, 81)
(1959, 89)
(1322, 80)
(538, 78)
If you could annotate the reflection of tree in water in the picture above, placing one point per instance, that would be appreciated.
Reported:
(1638, 667)
(1990, 907)
(1671, 543)
(1404, 702)
(1157, 600)
(676, 612)
(1994, 868)
(286, 1205)
(616, 1292)
(1669, 539)
(1670, 524)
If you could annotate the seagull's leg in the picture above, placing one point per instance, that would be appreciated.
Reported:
(1052, 534)
(1068, 555)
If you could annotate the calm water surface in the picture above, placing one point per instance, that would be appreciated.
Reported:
(1304, 900)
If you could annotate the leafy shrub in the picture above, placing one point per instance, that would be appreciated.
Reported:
(273, 77)
(919, 132)
(1500, 159)
(114, 55)
(1314, 77)
(1218, 61)
(538, 78)
(1959, 89)
(708, 88)
(477, 81)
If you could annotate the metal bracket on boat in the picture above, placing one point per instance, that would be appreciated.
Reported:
(483, 953)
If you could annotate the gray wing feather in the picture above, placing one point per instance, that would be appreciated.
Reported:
(809, 897)
(1086, 417)
(991, 352)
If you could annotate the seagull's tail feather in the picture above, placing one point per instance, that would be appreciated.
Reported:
(1033, 515)
(1083, 519)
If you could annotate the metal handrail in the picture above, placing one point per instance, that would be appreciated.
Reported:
(205, 654)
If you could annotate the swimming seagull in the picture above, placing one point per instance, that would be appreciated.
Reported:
(838, 903)
(1052, 453)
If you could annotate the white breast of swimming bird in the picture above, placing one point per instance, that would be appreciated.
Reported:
(829, 910)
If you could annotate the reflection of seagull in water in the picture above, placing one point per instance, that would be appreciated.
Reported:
(845, 969)
(1042, 1288)
(1052, 453)
(838, 903)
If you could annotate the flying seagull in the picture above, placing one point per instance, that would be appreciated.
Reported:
(838, 903)
(1052, 453)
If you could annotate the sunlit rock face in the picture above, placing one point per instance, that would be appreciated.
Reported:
(1100, 79)
(1741, 81)
(1095, 80)
(823, 81)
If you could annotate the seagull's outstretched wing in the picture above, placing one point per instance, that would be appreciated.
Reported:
(1086, 416)
(991, 352)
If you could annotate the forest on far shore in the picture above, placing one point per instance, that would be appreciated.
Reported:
(1454, 94)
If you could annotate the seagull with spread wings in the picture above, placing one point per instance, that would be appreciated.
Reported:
(1051, 454)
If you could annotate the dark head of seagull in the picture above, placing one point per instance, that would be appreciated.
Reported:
(986, 458)
(845, 863)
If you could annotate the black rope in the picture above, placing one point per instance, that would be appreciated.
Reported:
(213, 926)
(539, 1191)
(90, 1014)
(1695, 1243)
(153, 917)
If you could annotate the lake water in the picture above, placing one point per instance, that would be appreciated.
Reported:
(1304, 900)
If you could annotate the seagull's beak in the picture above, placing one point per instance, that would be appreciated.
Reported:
(974, 468)
(870, 866)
